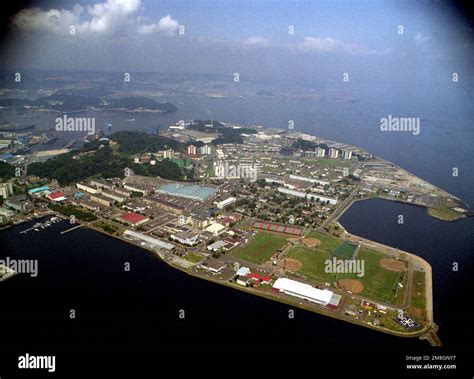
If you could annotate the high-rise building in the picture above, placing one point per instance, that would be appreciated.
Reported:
(6, 189)
(333, 153)
(191, 150)
(205, 150)
(168, 154)
(347, 154)
(320, 152)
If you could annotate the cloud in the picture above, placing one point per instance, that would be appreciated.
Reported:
(52, 20)
(421, 38)
(332, 45)
(327, 44)
(101, 18)
(256, 40)
(166, 24)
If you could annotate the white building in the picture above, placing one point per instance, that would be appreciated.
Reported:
(320, 152)
(148, 241)
(168, 154)
(309, 196)
(205, 150)
(226, 202)
(243, 271)
(216, 228)
(347, 154)
(333, 153)
(6, 189)
(303, 291)
(186, 238)
(216, 246)
(310, 180)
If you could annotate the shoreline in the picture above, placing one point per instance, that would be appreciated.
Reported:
(422, 334)
(427, 332)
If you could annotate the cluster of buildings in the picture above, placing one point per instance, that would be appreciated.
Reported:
(331, 152)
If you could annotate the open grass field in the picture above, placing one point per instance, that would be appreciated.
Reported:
(313, 263)
(445, 214)
(261, 248)
(193, 258)
(377, 283)
(328, 243)
(344, 251)
(418, 290)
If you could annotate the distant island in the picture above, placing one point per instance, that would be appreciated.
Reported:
(71, 102)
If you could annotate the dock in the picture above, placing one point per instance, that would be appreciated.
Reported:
(71, 229)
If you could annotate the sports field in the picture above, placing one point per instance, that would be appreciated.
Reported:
(377, 283)
(261, 248)
(313, 263)
(345, 251)
(328, 243)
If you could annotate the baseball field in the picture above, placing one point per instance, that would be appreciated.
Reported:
(261, 248)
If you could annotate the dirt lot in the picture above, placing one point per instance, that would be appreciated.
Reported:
(351, 285)
(290, 264)
(311, 242)
(393, 264)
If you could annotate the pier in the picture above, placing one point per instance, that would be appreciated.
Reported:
(71, 229)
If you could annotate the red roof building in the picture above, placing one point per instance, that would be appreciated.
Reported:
(57, 196)
(133, 218)
(260, 278)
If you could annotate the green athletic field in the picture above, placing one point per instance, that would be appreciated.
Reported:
(261, 248)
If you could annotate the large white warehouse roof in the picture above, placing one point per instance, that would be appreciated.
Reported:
(153, 242)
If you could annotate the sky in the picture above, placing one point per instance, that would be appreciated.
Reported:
(266, 39)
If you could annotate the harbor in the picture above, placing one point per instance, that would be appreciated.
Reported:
(42, 225)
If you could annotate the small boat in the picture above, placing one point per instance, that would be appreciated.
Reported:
(36, 230)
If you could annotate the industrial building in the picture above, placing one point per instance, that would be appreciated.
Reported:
(133, 218)
(150, 242)
(213, 265)
(303, 291)
(310, 180)
(135, 188)
(186, 238)
(309, 196)
(87, 188)
(189, 191)
(98, 198)
(40, 191)
(115, 196)
(101, 183)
